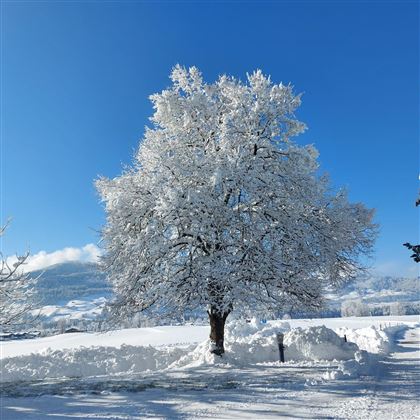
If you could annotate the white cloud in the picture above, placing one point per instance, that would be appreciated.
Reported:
(42, 259)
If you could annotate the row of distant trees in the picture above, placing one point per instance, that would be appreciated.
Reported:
(356, 307)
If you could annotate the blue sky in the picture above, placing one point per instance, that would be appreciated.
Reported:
(76, 77)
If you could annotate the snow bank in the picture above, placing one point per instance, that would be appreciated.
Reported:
(373, 342)
(318, 343)
(364, 363)
(179, 336)
(245, 344)
(372, 339)
(250, 343)
(84, 362)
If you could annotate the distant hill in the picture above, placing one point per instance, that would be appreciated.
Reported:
(378, 295)
(383, 289)
(61, 283)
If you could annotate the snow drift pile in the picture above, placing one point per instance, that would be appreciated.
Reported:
(250, 343)
(363, 363)
(85, 362)
(245, 343)
(371, 339)
(318, 343)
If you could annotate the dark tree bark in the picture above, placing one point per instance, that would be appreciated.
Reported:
(217, 330)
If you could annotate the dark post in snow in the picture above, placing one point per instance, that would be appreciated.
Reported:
(280, 337)
(345, 338)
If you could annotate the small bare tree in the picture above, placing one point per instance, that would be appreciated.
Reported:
(16, 293)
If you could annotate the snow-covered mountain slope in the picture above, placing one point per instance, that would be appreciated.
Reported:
(71, 313)
(61, 283)
(375, 295)
(384, 289)
(67, 295)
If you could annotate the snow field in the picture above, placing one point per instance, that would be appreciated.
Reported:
(246, 344)
(72, 310)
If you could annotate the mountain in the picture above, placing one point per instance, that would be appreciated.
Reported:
(384, 289)
(377, 295)
(61, 283)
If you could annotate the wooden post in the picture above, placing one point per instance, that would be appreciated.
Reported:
(280, 337)
(345, 338)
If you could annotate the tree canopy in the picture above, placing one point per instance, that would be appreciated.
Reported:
(221, 208)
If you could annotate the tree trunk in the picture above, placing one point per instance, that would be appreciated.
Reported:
(217, 330)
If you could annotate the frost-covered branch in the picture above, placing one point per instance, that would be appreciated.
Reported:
(15, 290)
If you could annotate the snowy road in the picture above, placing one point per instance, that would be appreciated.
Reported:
(270, 391)
(393, 392)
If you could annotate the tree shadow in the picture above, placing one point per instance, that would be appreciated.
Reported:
(242, 392)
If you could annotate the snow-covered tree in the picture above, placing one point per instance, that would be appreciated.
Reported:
(221, 209)
(16, 297)
(397, 308)
(354, 307)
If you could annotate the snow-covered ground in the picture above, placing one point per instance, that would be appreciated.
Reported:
(162, 373)
(178, 335)
(76, 309)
